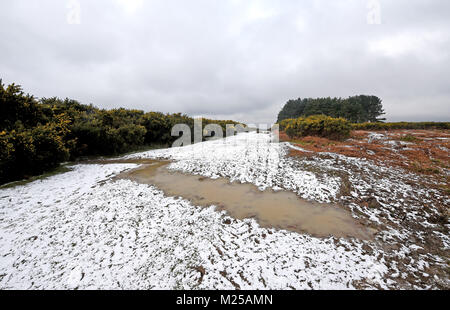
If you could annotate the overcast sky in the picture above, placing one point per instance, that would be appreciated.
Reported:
(238, 59)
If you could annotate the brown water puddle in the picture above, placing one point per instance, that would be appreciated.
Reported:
(281, 210)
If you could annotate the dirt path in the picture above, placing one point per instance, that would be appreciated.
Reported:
(277, 209)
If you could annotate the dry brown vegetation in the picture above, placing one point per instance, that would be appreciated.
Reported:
(420, 151)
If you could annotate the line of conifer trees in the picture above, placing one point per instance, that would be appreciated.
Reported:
(356, 109)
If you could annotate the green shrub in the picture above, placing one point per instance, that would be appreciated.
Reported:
(6, 147)
(158, 127)
(33, 151)
(283, 124)
(6, 155)
(49, 147)
(318, 125)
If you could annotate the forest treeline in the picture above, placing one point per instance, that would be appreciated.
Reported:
(38, 135)
(356, 109)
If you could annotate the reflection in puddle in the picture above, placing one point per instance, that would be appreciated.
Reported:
(281, 210)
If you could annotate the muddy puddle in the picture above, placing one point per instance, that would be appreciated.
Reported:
(271, 209)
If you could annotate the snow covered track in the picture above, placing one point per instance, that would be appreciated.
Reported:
(83, 229)
(124, 235)
(249, 158)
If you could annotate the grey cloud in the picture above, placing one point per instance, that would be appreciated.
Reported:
(230, 59)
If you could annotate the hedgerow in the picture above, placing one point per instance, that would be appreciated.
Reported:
(37, 135)
(401, 125)
(318, 125)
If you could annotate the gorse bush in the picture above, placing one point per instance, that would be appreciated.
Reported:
(37, 135)
(318, 125)
(283, 124)
(32, 151)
